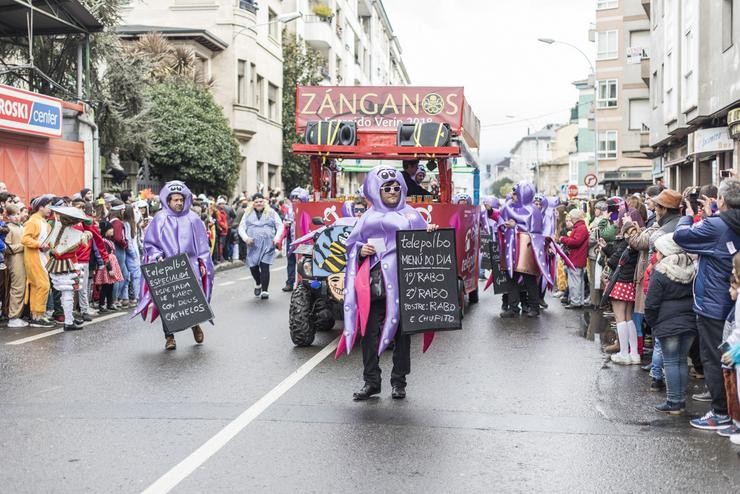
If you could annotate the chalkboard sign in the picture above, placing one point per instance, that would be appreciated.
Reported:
(177, 293)
(501, 281)
(427, 277)
(486, 250)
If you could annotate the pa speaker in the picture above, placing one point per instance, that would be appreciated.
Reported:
(424, 134)
(331, 133)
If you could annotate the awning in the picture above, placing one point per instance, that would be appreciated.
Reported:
(49, 17)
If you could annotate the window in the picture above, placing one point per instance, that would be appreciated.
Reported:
(608, 145)
(258, 96)
(670, 109)
(241, 82)
(272, 102)
(607, 94)
(640, 39)
(606, 42)
(606, 4)
(655, 90)
(260, 173)
(639, 114)
(727, 15)
(272, 19)
(253, 82)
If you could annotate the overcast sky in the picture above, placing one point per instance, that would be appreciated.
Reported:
(490, 47)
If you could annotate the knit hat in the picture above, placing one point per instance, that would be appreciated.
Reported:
(601, 205)
(669, 199)
(104, 227)
(667, 246)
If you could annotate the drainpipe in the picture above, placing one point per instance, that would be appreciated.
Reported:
(97, 184)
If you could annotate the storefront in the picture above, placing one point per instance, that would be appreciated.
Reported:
(40, 145)
(712, 151)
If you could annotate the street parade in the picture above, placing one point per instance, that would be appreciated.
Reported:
(217, 232)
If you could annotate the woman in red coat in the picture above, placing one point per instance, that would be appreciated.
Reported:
(577, 244)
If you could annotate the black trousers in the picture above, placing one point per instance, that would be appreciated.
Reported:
(710, 334)
(261, 275)
(529, 286)
(695, 355)
(106, 296)
(370, 342)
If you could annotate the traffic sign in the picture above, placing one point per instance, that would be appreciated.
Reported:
(572, 191)
(591, 180)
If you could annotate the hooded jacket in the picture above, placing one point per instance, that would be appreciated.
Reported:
(577, 243)
(715, 240)
(668, 308)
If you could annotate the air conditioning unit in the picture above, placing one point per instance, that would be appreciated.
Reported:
(331, 133)
(424, 135)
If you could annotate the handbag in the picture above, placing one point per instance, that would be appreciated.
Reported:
(733, 406)
(377, 285)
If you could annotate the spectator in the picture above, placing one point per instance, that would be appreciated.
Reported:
(577, 245)
(35, 232)
(715, 240)
(16, 269)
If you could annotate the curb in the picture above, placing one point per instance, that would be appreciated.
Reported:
(227, 265)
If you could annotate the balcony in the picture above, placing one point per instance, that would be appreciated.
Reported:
(645, 70)
(245, 122)
(319, 35)
(249, 5)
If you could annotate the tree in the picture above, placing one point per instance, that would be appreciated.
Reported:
(501, 187)
(193, 139)
(301, 67)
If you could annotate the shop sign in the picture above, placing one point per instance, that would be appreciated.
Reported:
(712, 140)
(30, 113)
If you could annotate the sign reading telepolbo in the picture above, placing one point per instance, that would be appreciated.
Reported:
(30, 113)
(380, 108)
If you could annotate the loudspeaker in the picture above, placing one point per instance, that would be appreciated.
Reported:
(424, 134)
(331, 133)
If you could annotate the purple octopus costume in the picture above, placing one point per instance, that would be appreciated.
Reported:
(530, 220)
(170, 234)
(379, 221)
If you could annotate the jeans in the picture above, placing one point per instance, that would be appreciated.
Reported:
(120, 289)
(133, 266)
(637, 318)
(710, 332)
(575, 285)
(84, 293)
(656, 371)
(291, 270)
(675, 353)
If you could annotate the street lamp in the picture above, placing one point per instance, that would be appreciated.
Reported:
(282, 18)
(550, 41)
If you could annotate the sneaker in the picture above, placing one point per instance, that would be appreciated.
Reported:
(657, 385)
(711, 421)
(532, 313)
(635, 359)
(509, 314)
(103, 310)
(735, 438)
(169, 343)
(288, 288)
(543, 305)
(59, 318)
(620, 359)
(573, 306)
(123, 304)
(647, 367)
(41, 323)
(91, 312)
(257, 291)
(72, 327)
(557, 294)
(705, 396)
(729, 431)
(86, 317)
(671, 408)
(265, 295)
(17, 323)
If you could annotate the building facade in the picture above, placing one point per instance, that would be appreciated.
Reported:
(622, 102)
(529, 152)
(238, 44)
(555, 173)
(581, 161)
(693, 73)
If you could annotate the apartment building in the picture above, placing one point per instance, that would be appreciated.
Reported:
(693, 72)
(529, 152)
(622, 104)
(581, 161)
(238, 43)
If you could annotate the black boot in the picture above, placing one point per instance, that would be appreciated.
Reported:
(366, 392)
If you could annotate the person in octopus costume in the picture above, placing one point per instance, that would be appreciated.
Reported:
(378, 320)
(176, 230)
(289, 222)
(521, 215)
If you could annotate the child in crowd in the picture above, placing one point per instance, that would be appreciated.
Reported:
(3, 234)
(732, 356)
(16, 268)
(109, 274)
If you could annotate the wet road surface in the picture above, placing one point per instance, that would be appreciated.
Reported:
(501, 406)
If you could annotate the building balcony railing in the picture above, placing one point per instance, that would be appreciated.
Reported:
(319, 35)
(645, 70)
(250, 5)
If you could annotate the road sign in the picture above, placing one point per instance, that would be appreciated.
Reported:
(591, 180)
(572, 191)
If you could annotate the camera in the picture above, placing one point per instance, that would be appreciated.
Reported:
(725, 173)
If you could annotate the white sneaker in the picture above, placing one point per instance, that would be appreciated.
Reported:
(17, 323)
(635, 359)
(92, 312)
(264, 295)
(735, 438)
(620, 359)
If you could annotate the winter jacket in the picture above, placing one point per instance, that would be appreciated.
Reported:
(715, 240)
(577, 244)
(668, 308)
(615, 251)
(119, 234)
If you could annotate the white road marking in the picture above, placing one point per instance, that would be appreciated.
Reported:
(61, 330)
(198, 457)
(226, 283)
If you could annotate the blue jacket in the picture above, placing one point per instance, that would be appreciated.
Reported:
(715, 240)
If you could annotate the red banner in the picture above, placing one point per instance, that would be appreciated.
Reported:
(381, 108)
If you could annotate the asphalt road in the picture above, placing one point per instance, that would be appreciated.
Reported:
(500, 406)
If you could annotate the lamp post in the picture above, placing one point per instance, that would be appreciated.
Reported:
(282, 18)
(551, 41)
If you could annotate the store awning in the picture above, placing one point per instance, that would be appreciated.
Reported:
(49, 17)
